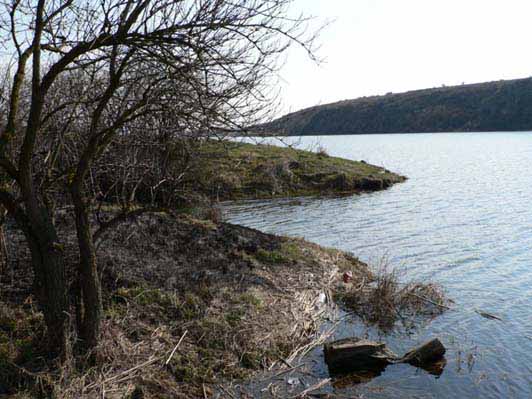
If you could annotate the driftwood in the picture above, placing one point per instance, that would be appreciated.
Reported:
(352, 353)
(360, 355)
(487, 315)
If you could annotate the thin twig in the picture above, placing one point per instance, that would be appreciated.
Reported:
(129, 371)
(288, 370)
(175, 348)
(313, 388)
(429, 301)
(226, 391)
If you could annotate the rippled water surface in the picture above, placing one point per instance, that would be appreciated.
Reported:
(464, 220)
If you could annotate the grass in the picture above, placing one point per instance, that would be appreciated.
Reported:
(236, 300)
(385, 299)
(232, 170)
(21, 333)
(271, 257)
(288, 252)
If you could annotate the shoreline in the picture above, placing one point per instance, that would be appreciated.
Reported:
(238, 301)
(192, 304)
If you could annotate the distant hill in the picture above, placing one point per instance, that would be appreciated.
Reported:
(493, 106)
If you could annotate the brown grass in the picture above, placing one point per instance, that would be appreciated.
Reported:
(385, 300)
(237, 301)
(193, 305)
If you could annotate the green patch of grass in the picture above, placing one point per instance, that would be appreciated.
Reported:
(251, 299)
(251, 360)
(145, 296)
(235, 316)
(188, 370)
(186, 307)
(21, 334)
(291, 250)
(288, 252)
(272, 257)
(230, 170)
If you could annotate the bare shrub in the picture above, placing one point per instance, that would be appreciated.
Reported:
(322, 151)
(97, 90)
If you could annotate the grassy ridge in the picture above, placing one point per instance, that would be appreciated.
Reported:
(231, 170)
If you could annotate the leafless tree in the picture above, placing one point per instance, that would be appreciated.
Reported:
(86, 75)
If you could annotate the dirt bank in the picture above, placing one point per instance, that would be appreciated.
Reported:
(236, 300)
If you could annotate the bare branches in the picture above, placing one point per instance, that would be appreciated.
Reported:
(113, 88)
(188, 68)
(124, 217)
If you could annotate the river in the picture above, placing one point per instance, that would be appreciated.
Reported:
(463, 219)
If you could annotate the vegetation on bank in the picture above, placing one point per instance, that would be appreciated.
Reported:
(235, 300)
(189, 306)
(483, 107)
(87, 79)
(232, 170)
(105, 290)
(192, 304)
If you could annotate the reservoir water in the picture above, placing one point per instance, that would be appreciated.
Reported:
(463, 219)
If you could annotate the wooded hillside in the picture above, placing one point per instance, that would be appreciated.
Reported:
(493, 106)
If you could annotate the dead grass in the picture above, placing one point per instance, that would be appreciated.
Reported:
(386, 300)
(192, 305)
(237, 302)
(322, 151)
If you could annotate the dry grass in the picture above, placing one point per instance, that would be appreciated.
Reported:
(194, 305)
(321, 151)
(237, 301)
(386, 299)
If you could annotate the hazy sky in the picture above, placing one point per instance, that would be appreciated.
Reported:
(380, 46)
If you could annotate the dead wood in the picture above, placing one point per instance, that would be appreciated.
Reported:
(353, 354)
(357, 354)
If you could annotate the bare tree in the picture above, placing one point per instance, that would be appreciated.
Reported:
(87, 74)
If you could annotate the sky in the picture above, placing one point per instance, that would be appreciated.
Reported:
(374, 47)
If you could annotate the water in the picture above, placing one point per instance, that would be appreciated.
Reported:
(464, 220)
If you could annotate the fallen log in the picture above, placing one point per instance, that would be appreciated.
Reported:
(356, 355)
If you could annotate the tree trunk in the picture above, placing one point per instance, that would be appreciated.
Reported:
(50, 284)
(4, 260)
(88, 278)
(4, 256)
